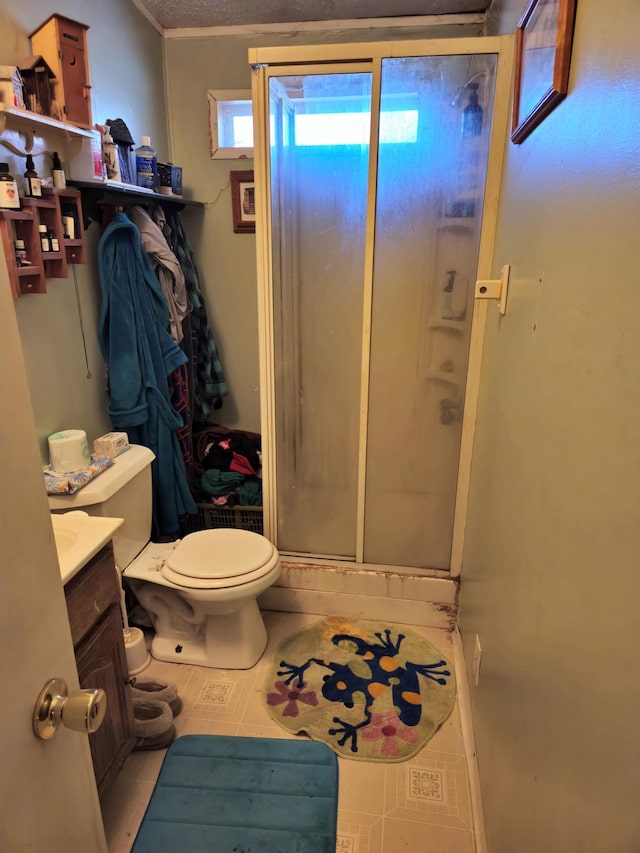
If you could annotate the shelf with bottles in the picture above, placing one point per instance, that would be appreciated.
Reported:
(460, 214)
(49, 218)
(69, 201)
(27, 274)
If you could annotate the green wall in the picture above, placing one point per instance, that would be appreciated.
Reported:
(550, 571)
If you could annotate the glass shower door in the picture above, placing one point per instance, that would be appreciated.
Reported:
(377, 173)
(319, 166)
(428, 212)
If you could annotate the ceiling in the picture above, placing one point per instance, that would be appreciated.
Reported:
(179, 14)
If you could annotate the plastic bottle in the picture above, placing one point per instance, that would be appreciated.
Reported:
(472, 114)
(110, 156)
(146, 165)
(57, 173)
(9, 197)
(32, 185)
(21, 253)
(45, 243)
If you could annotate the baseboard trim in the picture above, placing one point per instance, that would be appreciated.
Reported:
(468, 737)
(332, 590)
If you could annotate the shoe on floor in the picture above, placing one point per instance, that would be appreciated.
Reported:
(163, 690)
(153, 723)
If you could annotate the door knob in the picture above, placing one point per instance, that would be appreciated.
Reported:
(82, 711)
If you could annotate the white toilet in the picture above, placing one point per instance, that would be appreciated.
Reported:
(199, 592)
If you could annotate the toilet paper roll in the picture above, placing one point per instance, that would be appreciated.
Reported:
(68, 451)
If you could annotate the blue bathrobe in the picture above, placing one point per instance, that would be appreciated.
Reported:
(140, 354)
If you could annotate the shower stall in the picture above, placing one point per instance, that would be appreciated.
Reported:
(376, 170)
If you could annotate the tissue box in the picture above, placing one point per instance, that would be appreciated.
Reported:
(169, 179)
(87, 164)
(111, 444)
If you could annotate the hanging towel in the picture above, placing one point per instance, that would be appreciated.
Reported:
(140, 354)
(167, 268)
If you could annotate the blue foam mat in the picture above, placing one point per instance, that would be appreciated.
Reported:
(219, 794)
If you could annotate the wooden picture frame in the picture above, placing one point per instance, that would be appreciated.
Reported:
(243, 202)
(543, 53)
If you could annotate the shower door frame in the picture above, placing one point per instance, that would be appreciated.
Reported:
(269, 62)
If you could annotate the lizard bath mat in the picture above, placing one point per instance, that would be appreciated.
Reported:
(369, 690)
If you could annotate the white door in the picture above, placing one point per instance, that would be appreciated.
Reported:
(48, 794)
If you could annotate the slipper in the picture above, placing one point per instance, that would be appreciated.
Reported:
(153, 724)
(163, 690)
(159, 742)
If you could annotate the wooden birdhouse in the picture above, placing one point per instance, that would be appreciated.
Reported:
(63, 44)
(36, 82)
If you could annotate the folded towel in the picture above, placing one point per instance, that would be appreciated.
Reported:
(71, 482)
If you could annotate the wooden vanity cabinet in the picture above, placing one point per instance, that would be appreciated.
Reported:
(93, 605)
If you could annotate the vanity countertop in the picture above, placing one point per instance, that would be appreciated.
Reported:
(79, 537)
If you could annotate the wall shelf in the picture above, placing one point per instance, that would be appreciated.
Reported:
(97, 194)
(23, 224)
(24, 132)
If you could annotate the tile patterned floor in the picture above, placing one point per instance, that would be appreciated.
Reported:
(417, 805)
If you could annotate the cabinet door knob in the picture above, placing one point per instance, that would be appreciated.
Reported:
(82, 711)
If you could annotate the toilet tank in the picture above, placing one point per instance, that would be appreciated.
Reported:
(122, 491)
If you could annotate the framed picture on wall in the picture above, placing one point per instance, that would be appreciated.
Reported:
(243, 202)
(543, 52)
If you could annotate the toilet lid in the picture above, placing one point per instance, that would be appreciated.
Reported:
(218, 558)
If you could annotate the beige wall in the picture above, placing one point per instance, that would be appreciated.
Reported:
(125, 58)
(550, 574)
(226, 260)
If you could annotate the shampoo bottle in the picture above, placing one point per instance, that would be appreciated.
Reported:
(146, 165)
(472, 114)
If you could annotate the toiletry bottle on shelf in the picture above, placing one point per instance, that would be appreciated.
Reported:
(21, 253)
(45, 243)
(32, 185)
(146, 165)
(110, 156)
(9, 198)
(57, 173)
(447, 296)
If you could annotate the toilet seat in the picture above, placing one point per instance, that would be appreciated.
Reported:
(224, 557)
